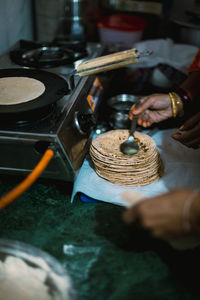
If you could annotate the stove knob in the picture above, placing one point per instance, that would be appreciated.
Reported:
(84, 122)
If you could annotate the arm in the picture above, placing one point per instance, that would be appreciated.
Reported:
(152, 109)
(189, 132)
(192, 85)
(159, 107)
(170, 215)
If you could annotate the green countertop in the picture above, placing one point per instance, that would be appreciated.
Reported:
(105, 258)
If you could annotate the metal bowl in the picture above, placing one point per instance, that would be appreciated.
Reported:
(23, 267)
(122, 102)
(119, 107)
(119, 120)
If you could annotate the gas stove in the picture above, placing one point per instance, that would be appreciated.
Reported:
(65, 123)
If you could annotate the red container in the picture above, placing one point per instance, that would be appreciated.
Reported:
(121, 30)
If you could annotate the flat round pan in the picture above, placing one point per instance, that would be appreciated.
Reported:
(55, 88)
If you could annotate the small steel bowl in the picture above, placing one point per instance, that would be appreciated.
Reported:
(119, 120)
(119, 106)
(122, 102)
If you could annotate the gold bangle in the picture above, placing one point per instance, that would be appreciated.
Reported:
(178, 104)
(173, 105)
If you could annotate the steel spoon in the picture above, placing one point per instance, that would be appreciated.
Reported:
(130, 147)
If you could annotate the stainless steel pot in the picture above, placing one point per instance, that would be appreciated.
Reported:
(72, 21)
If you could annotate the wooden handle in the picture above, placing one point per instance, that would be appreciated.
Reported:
(102, 61)
(108, 67)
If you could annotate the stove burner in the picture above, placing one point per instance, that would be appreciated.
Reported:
(77, 46)
(47, 55)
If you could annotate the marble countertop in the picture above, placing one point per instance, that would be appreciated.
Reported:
(105, 258)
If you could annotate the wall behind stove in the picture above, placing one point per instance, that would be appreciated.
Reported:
(16, 22)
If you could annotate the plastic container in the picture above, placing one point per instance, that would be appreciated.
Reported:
(121, 31)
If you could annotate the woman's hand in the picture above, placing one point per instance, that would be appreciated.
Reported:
(189, 134)
(164, 215)
(152, 109)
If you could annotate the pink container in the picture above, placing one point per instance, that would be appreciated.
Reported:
(121, 30)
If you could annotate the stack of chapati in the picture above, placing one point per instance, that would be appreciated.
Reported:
(110, 163)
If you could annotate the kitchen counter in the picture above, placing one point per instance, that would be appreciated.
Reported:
(105, 258)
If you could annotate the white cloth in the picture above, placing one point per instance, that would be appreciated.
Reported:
(181, 169)
(165, 51)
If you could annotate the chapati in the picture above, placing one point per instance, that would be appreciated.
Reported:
(16, 90)
(111, 164)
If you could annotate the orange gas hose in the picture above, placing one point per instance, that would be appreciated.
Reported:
(28, 181)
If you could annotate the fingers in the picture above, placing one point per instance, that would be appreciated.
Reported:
(160, 215)
(144, 123)
(191, 122)
(145, 103)
(133, 213)
(130, 215)
(133, 111)
(193, 143)
(189, 134)
(152, 102)
(143, 120)
(189, 138)
(152, 109)
(137, 212)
